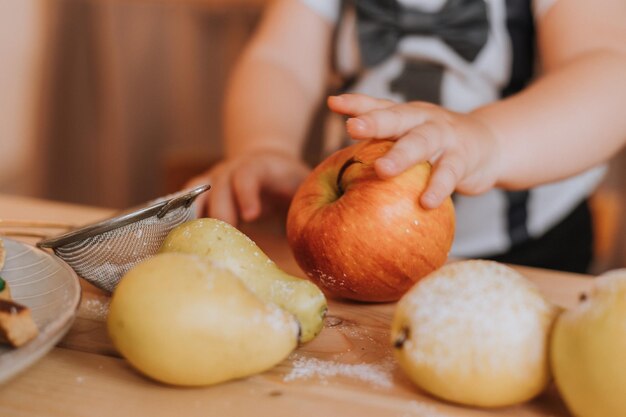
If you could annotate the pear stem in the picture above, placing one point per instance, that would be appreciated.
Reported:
(403, 336)
(342, 170)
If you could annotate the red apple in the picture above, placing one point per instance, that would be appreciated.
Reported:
(362, 237)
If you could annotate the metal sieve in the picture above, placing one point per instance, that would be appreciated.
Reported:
(103, 252)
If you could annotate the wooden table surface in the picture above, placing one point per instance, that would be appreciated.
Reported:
(347, 370)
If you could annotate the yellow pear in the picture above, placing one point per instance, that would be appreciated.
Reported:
(475, 333)
(588, 350)
(226, 247)
(181, 322)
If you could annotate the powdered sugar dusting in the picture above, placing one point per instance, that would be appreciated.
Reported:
(378, 375)
(494, 312)
(277, 319)
(282, 288)
(418, 409)
(94, 308)
(327, 280)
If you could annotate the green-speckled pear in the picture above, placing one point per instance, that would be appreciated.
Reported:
(179, 321)
(226, 247)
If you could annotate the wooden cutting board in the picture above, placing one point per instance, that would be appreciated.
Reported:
(348, 367)
(347, 370)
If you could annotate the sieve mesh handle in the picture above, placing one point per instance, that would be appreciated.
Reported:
(157, 208)
(103, 252)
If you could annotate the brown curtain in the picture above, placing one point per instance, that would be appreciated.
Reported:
(130, 86)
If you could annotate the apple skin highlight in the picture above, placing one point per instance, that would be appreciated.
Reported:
(364, 238)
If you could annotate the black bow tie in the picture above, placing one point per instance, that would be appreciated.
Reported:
(461, 24)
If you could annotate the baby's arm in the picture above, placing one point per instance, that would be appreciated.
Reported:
(271, 97)
(572, 118)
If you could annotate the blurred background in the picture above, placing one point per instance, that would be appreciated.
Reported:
(115, 102)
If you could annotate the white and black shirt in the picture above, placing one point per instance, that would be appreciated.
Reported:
(461, 54)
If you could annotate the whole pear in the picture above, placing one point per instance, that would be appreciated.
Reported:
(224, 246)
(475, 333)
(179, 321)
(588, 350)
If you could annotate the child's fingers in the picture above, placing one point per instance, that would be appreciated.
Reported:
(445, 176)
(421, 144)
(247, 192)
(388, 123)
(221, 204)
(355, 104)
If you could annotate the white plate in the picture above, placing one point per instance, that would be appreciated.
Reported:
(52, 291)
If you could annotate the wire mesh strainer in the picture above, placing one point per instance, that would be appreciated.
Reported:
(103, 252)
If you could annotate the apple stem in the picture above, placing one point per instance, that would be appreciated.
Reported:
(402, 337)
(342, 170)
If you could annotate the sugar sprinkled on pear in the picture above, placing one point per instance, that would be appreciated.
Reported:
(475, 333)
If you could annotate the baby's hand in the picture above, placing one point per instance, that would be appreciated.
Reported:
(237, 183)
(462, 149)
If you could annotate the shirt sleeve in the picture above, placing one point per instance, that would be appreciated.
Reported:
(540, 7)
(329, 9)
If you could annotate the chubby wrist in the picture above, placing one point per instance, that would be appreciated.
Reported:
(495, 156)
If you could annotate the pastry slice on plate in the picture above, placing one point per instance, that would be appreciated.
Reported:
(16, 324)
